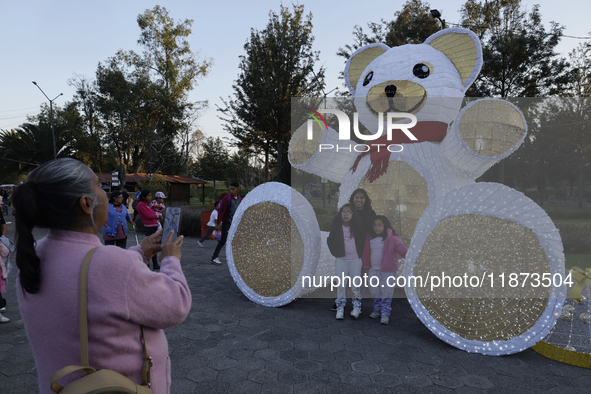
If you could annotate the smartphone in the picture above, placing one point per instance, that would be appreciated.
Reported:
(172, 221)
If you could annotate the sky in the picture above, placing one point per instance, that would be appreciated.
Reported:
(51, 42)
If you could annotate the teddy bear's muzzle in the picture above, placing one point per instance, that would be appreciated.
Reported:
(396, 96)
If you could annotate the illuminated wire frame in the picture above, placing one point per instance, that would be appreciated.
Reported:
(486, 232)
(274, 241)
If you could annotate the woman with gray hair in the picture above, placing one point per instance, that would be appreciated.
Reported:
(65, 196)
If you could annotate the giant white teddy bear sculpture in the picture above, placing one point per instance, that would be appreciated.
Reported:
(467, 240)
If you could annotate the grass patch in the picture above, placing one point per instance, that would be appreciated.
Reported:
(577, 260)
(576, 237)
(568, 212)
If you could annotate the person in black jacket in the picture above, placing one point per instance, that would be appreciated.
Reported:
(346, 242)
(362, 209)
(365, 216)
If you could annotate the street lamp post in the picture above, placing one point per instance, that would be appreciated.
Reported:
(437, 15)
(326, 94)
(50, 116)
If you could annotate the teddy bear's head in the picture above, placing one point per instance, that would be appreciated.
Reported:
(427, 80)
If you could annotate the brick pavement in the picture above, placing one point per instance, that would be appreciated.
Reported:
(229, 344)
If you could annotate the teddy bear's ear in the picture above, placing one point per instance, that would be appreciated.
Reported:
(463, 48)
(359, 61)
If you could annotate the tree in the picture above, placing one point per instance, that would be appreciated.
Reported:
(168, 58)
(580, 59)
(212, 165)
(572, 117)
(519, 61)
(89, 129)
(30, 145)
(128, 104)
(518, 53)
(242, 170)
(411, 25)
(278, 65)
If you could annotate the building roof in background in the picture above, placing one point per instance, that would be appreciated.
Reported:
(105, 177)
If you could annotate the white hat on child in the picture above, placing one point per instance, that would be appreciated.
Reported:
(160, 195)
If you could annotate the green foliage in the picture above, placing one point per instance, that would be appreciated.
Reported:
(580, 59)
(214, 161)
(567, 212)
(241, 170)
(576, 237)
(577, 260)
(278, 65)
(24, 148)
(411, 25)
(136, 111)
(325, 220)
(156, 183)
(519, 54)
(167, 52)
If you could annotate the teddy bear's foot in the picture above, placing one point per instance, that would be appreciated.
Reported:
(488, 270)
(324, 155)
(274, 244)
(484, 132)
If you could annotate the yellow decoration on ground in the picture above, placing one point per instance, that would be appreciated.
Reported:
(564, 356)
(582, 277)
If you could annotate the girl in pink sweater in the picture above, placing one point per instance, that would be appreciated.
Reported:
(380, 258)
(149, 218)
(65, 196)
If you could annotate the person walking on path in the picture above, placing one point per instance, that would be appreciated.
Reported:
(65, 196)
(4, 252)
(136, 200)
(228, 206)
(380, 258)
(149, 219)
(115, 230)
(210, 224)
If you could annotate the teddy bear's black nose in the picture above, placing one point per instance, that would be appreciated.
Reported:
(390, 90)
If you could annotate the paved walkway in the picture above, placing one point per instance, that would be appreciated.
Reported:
(231, 345)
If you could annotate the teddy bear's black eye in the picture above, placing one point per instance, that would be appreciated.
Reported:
(420, 70)
(368, 78)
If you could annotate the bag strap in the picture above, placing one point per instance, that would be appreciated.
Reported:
(55, 386)
(83, 308)
(83, 311)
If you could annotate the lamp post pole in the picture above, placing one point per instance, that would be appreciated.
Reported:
(437, 15)
(50, 116)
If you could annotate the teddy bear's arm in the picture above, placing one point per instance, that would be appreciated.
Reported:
(484, 132)
(324, 155)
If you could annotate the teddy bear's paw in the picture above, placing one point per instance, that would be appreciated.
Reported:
(484, 132)
(481, 253)
(273, 243)
(321, 153)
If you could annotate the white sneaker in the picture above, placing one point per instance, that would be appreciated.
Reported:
(3, 309)
(385, 319)
(356, 312)
(375, 315)
(216, 261)
(4, 319)
(199, 243)
(340, 313)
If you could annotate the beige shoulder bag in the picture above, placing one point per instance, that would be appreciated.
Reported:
(104, 380)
